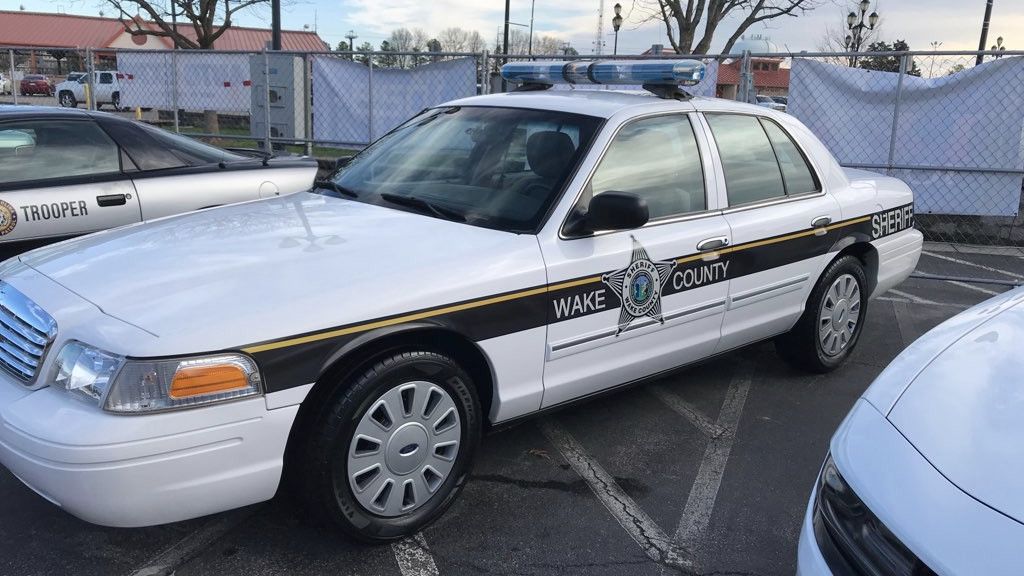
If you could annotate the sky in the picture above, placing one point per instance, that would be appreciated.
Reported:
(955, 23)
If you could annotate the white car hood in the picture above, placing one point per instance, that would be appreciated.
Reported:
(257, 271)
(964, 411)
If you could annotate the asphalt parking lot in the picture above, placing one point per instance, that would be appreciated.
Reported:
(704, 472)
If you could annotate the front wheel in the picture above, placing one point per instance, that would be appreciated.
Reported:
(393, 448)
(827, 332)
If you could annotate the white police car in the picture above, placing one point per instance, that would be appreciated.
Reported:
(492, 257)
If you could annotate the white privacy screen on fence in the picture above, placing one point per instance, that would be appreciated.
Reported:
(205, 81)
(955, 121)
(705, 87)
(348, 109)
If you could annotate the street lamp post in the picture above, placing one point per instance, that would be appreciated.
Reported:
(352, 44)
(616, 24)
(998, 46)
(857, 28)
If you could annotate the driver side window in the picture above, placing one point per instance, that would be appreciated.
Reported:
(657, 159)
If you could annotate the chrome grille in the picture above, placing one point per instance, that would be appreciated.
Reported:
(26, 331)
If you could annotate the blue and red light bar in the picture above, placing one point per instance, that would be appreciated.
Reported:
(629, 72)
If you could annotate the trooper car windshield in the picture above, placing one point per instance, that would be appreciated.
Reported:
(492, 167)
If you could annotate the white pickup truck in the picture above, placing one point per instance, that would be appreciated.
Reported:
(105, 88)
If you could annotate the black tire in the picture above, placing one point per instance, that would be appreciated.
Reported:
(802, 346)
(321, 476)
(67, 100)
(115, 100)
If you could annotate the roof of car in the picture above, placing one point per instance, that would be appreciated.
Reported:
(9, 111)
(601, 103)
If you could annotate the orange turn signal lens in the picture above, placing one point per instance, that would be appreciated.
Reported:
(199, 380)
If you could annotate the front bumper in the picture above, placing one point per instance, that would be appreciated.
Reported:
(130, 471)
(951, 532)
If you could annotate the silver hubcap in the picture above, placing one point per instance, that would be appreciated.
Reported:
(840, 311)
(404, 448)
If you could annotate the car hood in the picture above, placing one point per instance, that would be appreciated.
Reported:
(964, 411)
(236, 275)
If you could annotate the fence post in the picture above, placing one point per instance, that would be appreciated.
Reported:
(485, 76)
(14, 91)
(307, 67)
(896, 113)
(369, 101)
(267, 144)
(174, 91)
(746, 79)
(90, 74)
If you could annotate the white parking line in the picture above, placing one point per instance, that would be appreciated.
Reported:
(975, 264)
(973, 287)
(701, 502)
(641, 527)
(413, 556)
(911, 297)
(182, 551)
(906, 301)
(686, 410)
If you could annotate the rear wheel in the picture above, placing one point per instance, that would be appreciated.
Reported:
(827, 332)
(116, 100)
(393, 448)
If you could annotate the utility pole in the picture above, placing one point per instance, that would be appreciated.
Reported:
(984, 31)
(529, 49)
(504, 47)
(352, 43)
(275, 24)
(174, 23)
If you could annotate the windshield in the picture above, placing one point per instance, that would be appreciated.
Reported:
(493, 167)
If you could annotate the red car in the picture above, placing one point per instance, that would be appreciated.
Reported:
(36, 84)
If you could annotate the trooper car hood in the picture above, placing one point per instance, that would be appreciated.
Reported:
(964, 412)
(269, 269)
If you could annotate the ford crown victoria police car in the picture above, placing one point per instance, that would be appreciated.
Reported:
(70, 172)
(491, 258)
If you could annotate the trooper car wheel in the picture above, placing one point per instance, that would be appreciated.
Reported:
(830, 326)
(392, 450)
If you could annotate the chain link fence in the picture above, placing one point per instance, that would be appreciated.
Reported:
(949, 127)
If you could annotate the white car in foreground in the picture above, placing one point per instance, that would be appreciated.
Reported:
(492, 257)
(924, 476)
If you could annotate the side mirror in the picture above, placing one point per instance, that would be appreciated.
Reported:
(610, 211)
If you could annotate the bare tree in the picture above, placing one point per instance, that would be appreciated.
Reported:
(460, 40)
(209, 19)
(684, 19)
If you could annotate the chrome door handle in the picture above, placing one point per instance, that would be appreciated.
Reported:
(821, 222)
(712, 244)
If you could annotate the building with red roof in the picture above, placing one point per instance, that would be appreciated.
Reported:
(71, 31)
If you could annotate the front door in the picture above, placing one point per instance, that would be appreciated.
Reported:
(628, 304)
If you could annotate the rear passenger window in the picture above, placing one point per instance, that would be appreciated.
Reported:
(751, 171)
(796, 172)
(657, 159)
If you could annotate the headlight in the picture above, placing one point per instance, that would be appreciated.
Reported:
(851, 538)
(134, 386)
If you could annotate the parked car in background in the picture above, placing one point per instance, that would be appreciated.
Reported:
(64, 173)
(5, 84)
(924, 474)
(35, 84)
(105, 87)
(784, 100)
(768, 102)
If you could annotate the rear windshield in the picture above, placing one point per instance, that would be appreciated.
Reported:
(492, 167)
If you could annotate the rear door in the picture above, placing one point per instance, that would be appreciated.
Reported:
(60, 178)
(778, 215)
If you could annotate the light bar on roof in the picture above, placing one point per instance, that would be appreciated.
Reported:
(631, 72)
